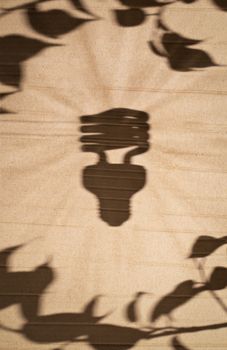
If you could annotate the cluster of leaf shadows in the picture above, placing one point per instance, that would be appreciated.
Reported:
(115, 183)
(26, 288)
(177, 50)
(189, 289)
(165, 42)
(134, 13)
(16, 49)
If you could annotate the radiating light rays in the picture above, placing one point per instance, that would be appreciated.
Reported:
(160, 203)
(129, 68)
(94, 74)
(194, 227)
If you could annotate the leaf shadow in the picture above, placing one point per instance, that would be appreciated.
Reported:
(206, 245)
(177, 50)
(53, 23)
(15, 50)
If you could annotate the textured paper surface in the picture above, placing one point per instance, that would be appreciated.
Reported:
(102, 66)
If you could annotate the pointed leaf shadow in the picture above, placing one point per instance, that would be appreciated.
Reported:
(61, 327)
(5, 255)
(188, 1)
(131, 308)
(177, 345)
(15, 286)
(15, 49)
(130, 17)
(143, 3)
(218, 279)
(71, 330)
(2, 109)
(221, 4)
(5, 111)
(53, 23)
(176, 48)
(80, 6)
(181, 294)
(206, 245)
(182, 58)
(131, 312)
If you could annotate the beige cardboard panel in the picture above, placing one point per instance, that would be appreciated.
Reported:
(69, 254)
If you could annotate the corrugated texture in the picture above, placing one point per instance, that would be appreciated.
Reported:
(99, 83)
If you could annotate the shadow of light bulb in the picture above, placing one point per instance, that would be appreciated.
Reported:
(114, 184)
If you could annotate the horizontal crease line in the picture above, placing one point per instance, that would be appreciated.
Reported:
(196, 215)
(110, 144)
(35, 206)
(36, 224)
(114, 177)
(143, 265)
(175, 169)
(91, 138)
(114, 199)
(12, 54)
(207, 92)
(146, 127)
(9, 63)
(138, 132)
(204, 252)
(112, 209)
(59, 324)
(189, 153)
(177, 41)
(157, 169)
(39, 135)
(9, 10)
(120, 171)
(202, 123)
(171, 266)
(33, 323)
(172, 8)
(39, 121)
(21, 294)
(112, 188)
(134, 141)
(137, 116)
(186, 124)
(203, 92)
(9, 75)
(112, 141)
(133, 344)
(195, 9)
(179, 231)
(193, 130)
(62, 208)
(67, 122)
(123, 124)
(101, 266)
(206, 171)
(179, 296)
(150, 230)
(124, 171)
(8, 266)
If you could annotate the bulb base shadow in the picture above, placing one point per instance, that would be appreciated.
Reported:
(114, 185)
